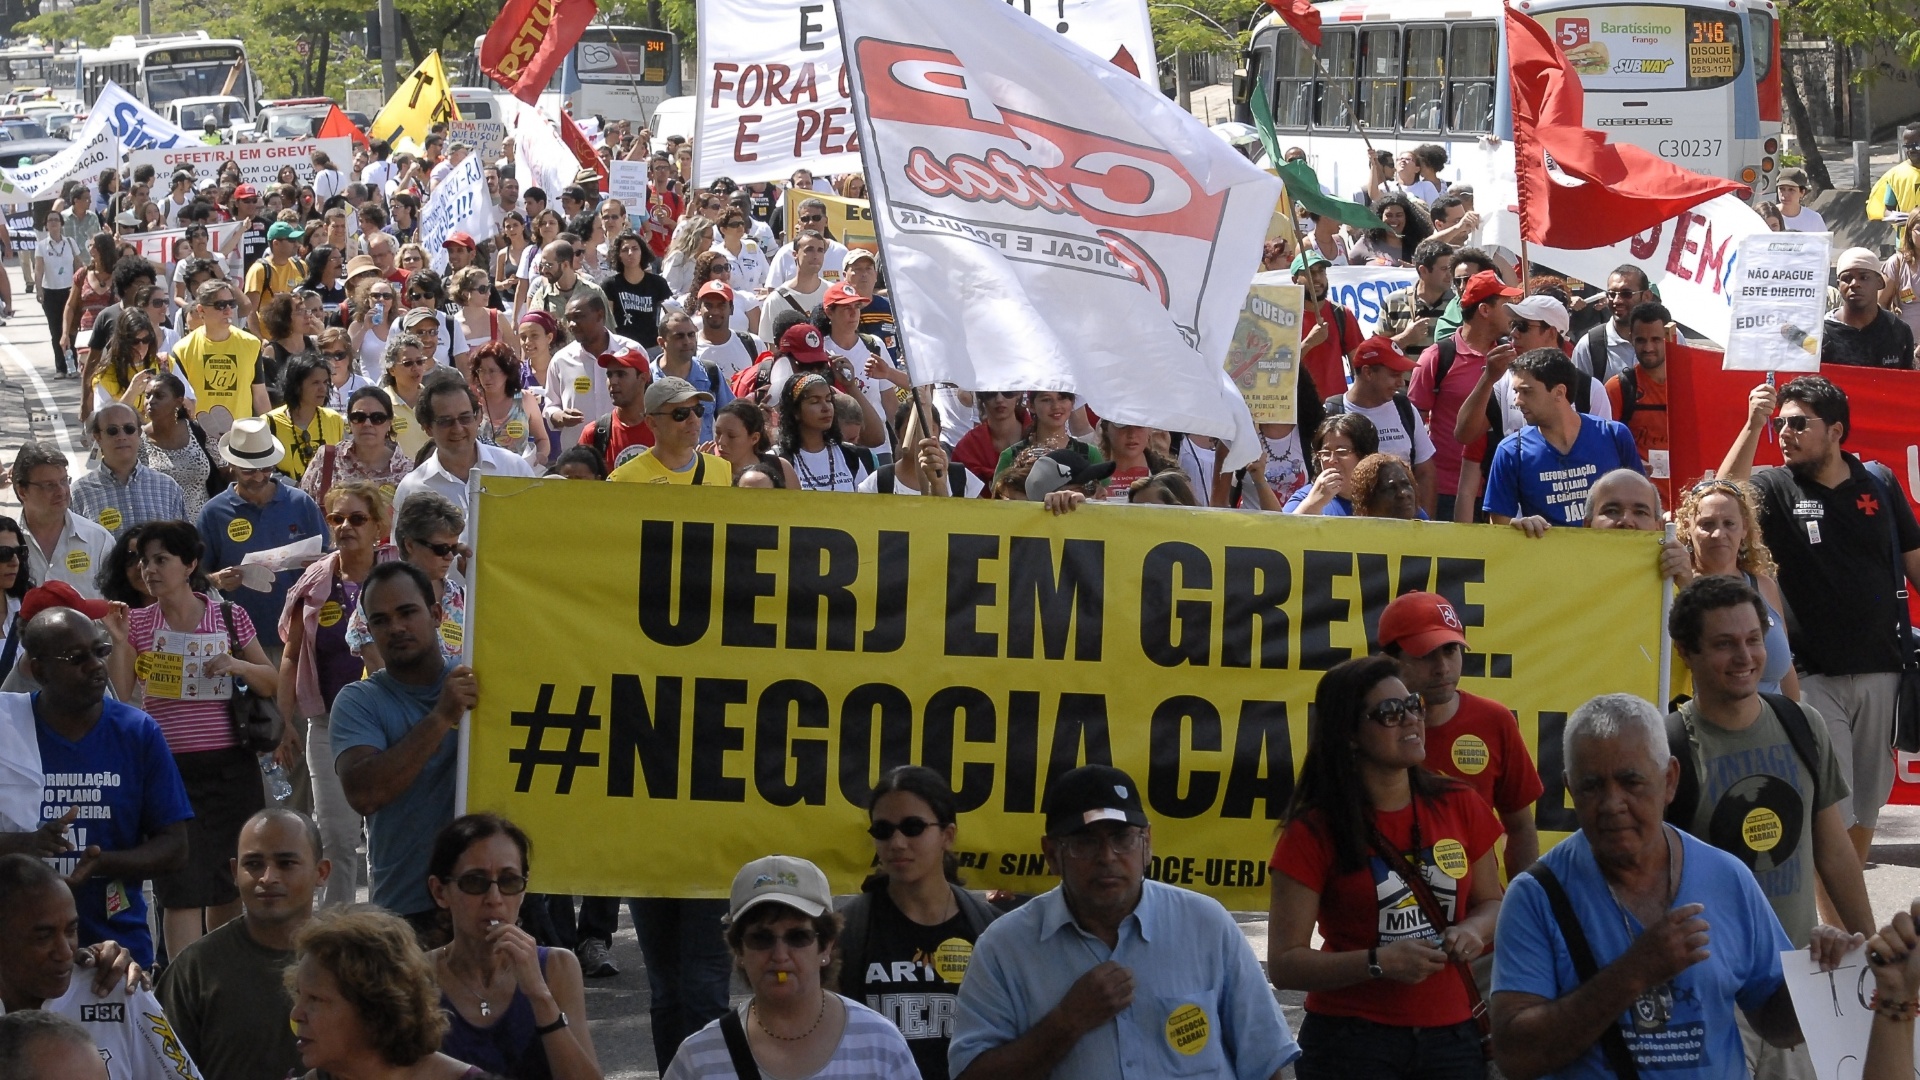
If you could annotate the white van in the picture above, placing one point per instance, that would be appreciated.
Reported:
(674, 116)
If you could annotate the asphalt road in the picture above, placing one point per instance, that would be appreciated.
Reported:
(34, 405)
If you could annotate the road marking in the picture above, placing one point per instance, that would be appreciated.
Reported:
(26, 367)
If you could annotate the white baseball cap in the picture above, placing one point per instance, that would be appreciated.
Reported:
(780, 879)
(1544, 309)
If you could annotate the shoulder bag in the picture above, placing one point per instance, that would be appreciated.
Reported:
(257, 725)
(1414, 873)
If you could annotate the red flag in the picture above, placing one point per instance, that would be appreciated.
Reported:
(1577, 190)
(337, 126)
(582, 148)
(1302, 16)
(530, 39)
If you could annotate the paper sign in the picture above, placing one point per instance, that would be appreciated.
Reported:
(629, 184)
(1779, 293)
(1264, 358)
(487, 137)
(257, 568)
(1833, 1011)
(849, 221)
(459, 203)
(177, 667)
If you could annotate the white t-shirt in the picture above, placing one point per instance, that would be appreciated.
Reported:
(828, 470)
(1424, 190)
(58, 259)
(777, 302)
(730, 357)
(1412, 446)
(749, 266)
(131, 1030)
(785, 265)
(376, 175)
(326, 184)
(968, 483)
(1807, 220)
(877, 391)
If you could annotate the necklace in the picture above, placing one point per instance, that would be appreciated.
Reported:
(811, 480)
(486, 1010)
(791, 1038)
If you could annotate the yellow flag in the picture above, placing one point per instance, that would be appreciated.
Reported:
(423, 100)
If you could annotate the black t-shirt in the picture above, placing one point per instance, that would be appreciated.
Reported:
(1836, 559)
(1887, 342)
(636, 307)
(913, 979)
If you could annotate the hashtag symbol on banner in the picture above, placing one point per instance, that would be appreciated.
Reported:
(534, 752)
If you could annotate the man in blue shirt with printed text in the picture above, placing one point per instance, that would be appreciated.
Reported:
(1540, 475)
(1111, 976)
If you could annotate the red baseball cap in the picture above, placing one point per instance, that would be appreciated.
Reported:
(459, 239)
(1380, 349)
(802, 343)
(627, 358)
(1420, 622)
(839, 295)
(56, 594)
(716, 288)
(246, 191)
(1482, 287)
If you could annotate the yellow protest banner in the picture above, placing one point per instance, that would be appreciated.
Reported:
(849, 221)
(1263, 358)
(424, 99)
(709, 676)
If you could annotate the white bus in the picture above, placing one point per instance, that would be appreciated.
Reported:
(35, 73)
(1696, 83)
(158, 69)
(618, 72)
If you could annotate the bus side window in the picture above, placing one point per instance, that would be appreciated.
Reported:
(1426, 83)
(1470, 54)
(1380, 92)
(1333, 91)
(1292, 81)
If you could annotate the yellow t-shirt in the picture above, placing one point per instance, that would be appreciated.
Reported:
(222, 373)
(406, 429)
(268, 281)
(325, 429)
(709, 470)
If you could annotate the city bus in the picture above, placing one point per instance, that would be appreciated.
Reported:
(618, 72)
(1696, 83)
(158, 69)
(28, 72)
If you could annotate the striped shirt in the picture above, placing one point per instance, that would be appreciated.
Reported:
(147, 495)
(870, 1049)
(189, 726)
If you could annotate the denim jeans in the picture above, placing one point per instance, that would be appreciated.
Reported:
(689, 967)
(1350, 1048)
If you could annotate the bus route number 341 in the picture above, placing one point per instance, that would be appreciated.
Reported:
(1689, 148)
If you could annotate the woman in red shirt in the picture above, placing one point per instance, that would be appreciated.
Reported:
(1395, 865)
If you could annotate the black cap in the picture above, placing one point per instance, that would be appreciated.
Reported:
(1093, 793)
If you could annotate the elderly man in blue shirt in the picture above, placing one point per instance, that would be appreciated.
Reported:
(1111, 975)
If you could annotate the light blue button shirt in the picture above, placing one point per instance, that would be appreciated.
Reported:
(1200, 1007)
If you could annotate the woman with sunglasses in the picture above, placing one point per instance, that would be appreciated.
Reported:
(471, 291)
(1048, 414)
(507, 405)
(286, 337)
(177, 445)
(368, 453)
(426, 292)
(515, 1008)
(1719, 523)
(547, 226)
(635, 294)
(1001, 425)
(912, 908)
(343, 375)
(372, 312)
(304, 424)
(1374, 840)
(748, 261)
(131, 363)
(15, 580)
(222, 777)
(427, 531)
(406, 369)
(317, 663)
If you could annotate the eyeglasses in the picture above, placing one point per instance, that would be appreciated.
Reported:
(1087, 845)
(157, 304)
(465, 419)
(355, 519)
(684, 412)
(336, 357)
(58, 485)
(445, 551)
(421, 362)
(796, 938)
(1797, 423)
(476, 883)
(1622, 294)
(907, 827)
(221, 305)
(13, 554)
(368, 417)
(114, 431)
(98, 652)
(1398, 712)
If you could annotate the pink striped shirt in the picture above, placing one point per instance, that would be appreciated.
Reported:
(190, 726)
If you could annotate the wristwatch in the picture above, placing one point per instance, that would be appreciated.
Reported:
(1374, 970)
(549, 1029)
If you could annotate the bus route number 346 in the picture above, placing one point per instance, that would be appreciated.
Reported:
(1689, 148)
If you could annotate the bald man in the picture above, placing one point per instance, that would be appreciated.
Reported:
(38, 1045)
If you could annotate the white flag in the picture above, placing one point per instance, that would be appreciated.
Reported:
(1051, 222)
(459, 203)
(543, 159)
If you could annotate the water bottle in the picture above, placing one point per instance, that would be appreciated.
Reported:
(277, 783)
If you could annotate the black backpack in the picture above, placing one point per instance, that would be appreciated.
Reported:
(1686, 798)
(1597, 357)
(1630, 395)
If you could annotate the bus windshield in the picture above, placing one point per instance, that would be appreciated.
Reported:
(1645, 48)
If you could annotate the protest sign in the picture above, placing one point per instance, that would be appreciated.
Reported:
(849, 221)
(628, 183)
(1363, 291)
(757, 665)
(1092, 220)
(260, 162)
(459, 203)
(1835, 1009)
(774, 95)
(1779, 302)
(1264, 359)
(167, 246)
(487, 137)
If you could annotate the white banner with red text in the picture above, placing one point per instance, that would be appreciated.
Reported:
(260, 162)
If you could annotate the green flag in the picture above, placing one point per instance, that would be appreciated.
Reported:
(1301, 182)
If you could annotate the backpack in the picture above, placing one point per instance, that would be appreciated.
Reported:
(884, 478)
(1686, 798)
(1630, 395)
(1582, 395)
(858, 926)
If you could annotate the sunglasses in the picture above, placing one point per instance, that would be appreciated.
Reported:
(476, 883)
(445, 551)
(681, 414)
(379, 296)
(13, 554)
(1524, 326)
(157, 305)
(1398, 712)
(811, 217)
(761, 940)
(447, 423)
(114, 431)
(368, 417)
(1797, 423)
(355, 519)
(415, 363)
(99, 652)
(221, 305)
(335, 357)
(907, 827)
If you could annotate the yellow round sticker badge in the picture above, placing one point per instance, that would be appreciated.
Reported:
(330, 612)
(239, 530)
(1451, 857)
(515, 429)
(451, 633)
(582, 384)
(110, 518)
(951, 957)
(1187, 1030)
(1470, 755)
(79, 562)
(1762, 829)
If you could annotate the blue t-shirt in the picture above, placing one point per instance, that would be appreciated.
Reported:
(1528, 477)
(122, 777)
(378, 711)
(232, 527)
(1699, 1039)
(1338, 506)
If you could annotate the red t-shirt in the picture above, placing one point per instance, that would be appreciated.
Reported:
(1481, 745)
(1373, 906)
(975, 451)
(623, 436)
(1441, 405)
(1649, 426)
(1326, 362)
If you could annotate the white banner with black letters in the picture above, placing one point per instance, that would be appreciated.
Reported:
(458, 204)
(1779, 302)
